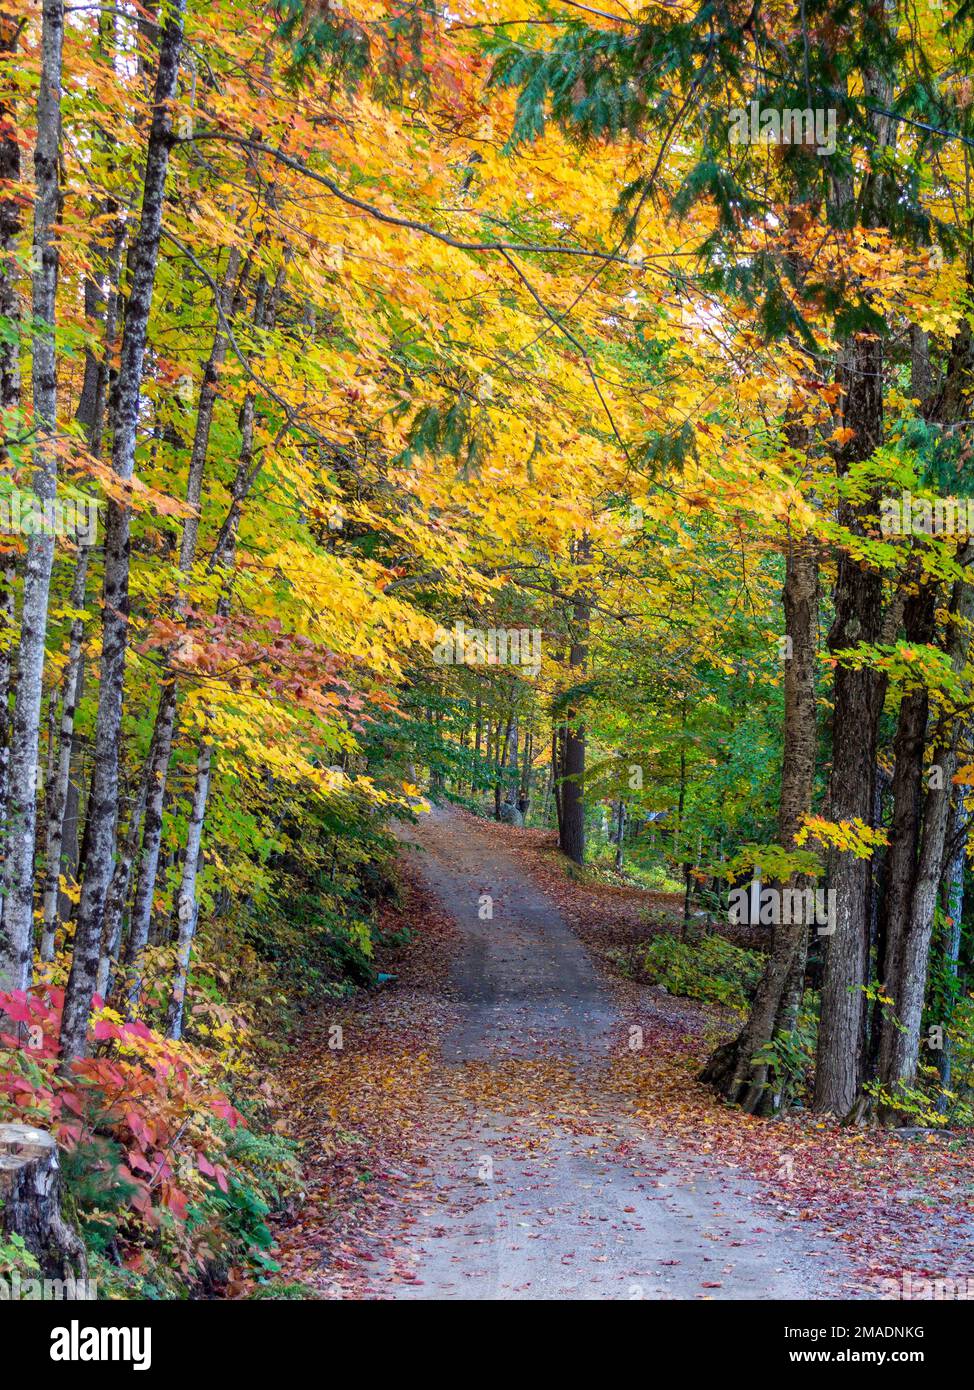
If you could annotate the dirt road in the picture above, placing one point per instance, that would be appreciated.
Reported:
(540, 1183)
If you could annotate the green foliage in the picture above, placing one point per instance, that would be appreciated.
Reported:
(791, 1055)
(775, 863)
(320, 38)
(659, 452)
(914, 1105)
(278, 1292)
(15, 1258)
(713, 970)
(600, 868)
(100, 1195)
(312, 936)
(957, 1102)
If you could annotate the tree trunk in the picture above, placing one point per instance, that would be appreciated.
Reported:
(187, 908)
(103, 808)
(557, 761)
(160, 749)
(70, 845)
(917, 849)
(952, 890)
(572, 820)
(573, 794)
(8, 617)
(904, 834)
(102, 299)
(858, 694)
(223, 557)
(907, 978)
(10, 224)
(157, 771)
(209, 388)
(857, 704)
(10, 227)
(265, 308)
(500, 763)
(732, 1069)
(57, 790)
(524, 794)
(118, 891)
(16, 937)
(30, 1205)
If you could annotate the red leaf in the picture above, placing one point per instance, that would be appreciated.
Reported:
(17, 1005)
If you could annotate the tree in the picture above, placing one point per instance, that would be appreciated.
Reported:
(103, 809)
(18, 918)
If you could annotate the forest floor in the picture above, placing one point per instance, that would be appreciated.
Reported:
(514, 1119)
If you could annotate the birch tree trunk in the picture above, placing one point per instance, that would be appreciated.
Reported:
(620, 834)
(102, 296)
(157, 770)
(223, 557)
(57, 791)
(70, 839)
(16, 936)
(162, 735)
(160, 751)
(102, 812)
(8, 616)
(118, 891)
(10, 230)
(187, 908)
(10, 223)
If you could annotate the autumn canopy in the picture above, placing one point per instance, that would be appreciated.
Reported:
(559, 413)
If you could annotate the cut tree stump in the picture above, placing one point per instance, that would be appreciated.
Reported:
(30, 1202)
